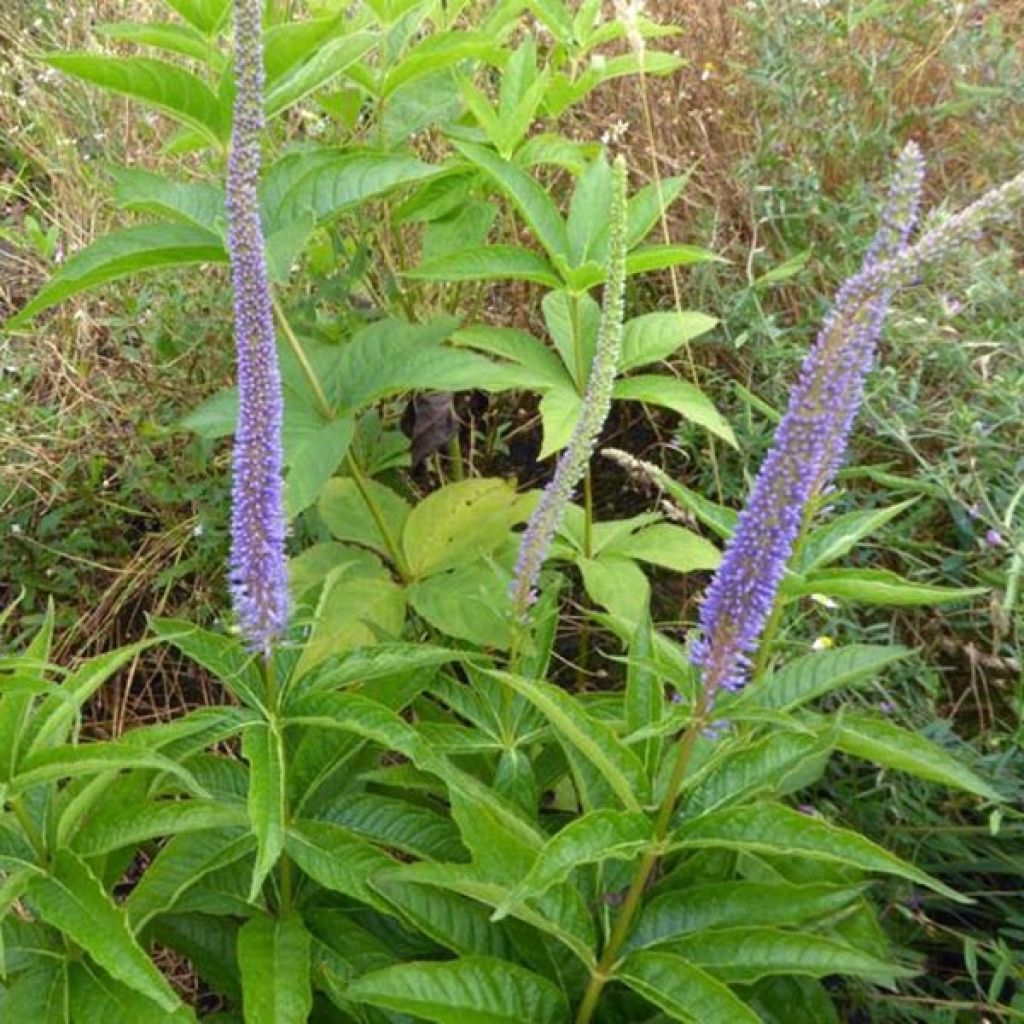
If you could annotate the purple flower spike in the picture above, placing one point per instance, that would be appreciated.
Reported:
(808, 447)
(258, 573)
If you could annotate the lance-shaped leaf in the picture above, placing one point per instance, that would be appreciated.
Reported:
(157, 83)
(116, 827)
(773, 829)
(274, 959)
(813, 675)
(331, 60)
(744, 955)
(886, 744)
(619, 765)
(263, 748)
(597, 836)
(125, 252)
(468, 989)
(72, 899)
(700, 908)
(683, 990)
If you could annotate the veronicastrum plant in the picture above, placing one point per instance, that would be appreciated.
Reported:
(407, 816)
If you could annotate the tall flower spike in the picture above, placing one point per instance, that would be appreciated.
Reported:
(258, 573)
(898, 218)
(812, 434)
(597, 401)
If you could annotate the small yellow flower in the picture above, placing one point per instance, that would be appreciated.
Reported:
(823, 643)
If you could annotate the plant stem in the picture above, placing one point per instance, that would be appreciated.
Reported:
(602, 973)
(303, 360)
(390, 541)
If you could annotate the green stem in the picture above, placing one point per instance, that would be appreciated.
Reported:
(390, 541)
(274, 695)
(303, 360)
(602, 973)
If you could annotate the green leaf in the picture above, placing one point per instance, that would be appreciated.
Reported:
(490, 263)
(533, 202)
(778, 763)
(56, 715)
(205, 15)
(195, 203)
(291, 42)
(312, 463)
(263, 748)
(345, 512)
(587, 224)
(337, 858)
(647, 205)
(471, 603)
(480, 989)
(683, 990)
(560, 410)
(619, 766)
(459, 523)
(73, 761)
(167, 87)
(572, 321)
(329, 61)
(813, 675)
(876, 586)
(727, 904)
(183, 862)
(438, 52)
(560, 913)
(368, 664)
(12, 888)
(679, 396)
(670, 546)
(72, 900)
(597, 836)
(224, 656)
(274, 959)
(658, 257)
(415, 830)
(887, 745)
(618, 584)
(744, 955)
(117, 827)
(391, 356)
(773, 829)
(97, 998)
(40, 994)
(183, 39)
(356, 609)
(656, 336)
(314, 186)
(125, 252)
(830, 542)
(544, 368)
(455, 922)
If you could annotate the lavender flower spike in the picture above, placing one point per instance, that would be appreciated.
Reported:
(258, 573)
(809, 441)
(898, 219)
(597, 401)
